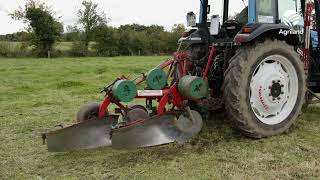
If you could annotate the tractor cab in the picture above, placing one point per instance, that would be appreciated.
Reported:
(244, 20)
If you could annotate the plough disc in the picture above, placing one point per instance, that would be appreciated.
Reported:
(155, 131)
(189, 128)
(86, 135)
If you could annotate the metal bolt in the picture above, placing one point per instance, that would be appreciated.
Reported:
(279, 98)
(273, 99)
(279, 81)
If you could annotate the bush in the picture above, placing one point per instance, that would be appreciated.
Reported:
(79, 49)
(15, 49)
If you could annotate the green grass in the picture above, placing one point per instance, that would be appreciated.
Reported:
(63, 46)
(21, 50)
(38, 93)
(67, 46)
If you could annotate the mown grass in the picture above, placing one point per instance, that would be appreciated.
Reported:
(38, 93)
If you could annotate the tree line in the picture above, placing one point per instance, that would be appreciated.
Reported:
(90, 35)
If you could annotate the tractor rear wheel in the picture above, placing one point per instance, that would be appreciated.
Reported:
(264, 88)
(88, 111)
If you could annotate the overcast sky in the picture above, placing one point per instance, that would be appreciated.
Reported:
(162, 12)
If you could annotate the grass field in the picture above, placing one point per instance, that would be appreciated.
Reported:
(21, 50)
(37, 93)
(62, 46)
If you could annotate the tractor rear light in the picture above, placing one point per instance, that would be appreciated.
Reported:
(246, 30)
(240, 39)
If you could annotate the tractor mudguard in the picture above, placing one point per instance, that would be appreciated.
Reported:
(259, 29)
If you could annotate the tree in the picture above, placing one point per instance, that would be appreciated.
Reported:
(21, 36)
(106, 39)
(72, 34)
(89, 19)
(155, 29)
(44, 28)
(175, 35)
(133, 27)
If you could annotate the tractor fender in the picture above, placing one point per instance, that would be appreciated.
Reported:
(269, 31)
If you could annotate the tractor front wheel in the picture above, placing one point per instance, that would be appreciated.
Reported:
(264, 88)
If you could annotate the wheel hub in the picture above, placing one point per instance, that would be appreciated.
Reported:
(276, 89)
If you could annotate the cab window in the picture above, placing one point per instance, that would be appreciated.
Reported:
(237, 10)
(236, 7)
(265, 11)
(290, 13)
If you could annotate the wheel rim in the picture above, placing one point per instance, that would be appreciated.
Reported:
(274, 90)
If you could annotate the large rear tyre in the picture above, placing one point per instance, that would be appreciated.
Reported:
(264, 88)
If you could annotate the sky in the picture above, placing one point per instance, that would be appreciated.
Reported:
(147, 12)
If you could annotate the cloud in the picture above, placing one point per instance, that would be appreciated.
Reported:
(164, 12)
(3, 9)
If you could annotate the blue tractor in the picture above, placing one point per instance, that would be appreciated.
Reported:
(263, 60)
